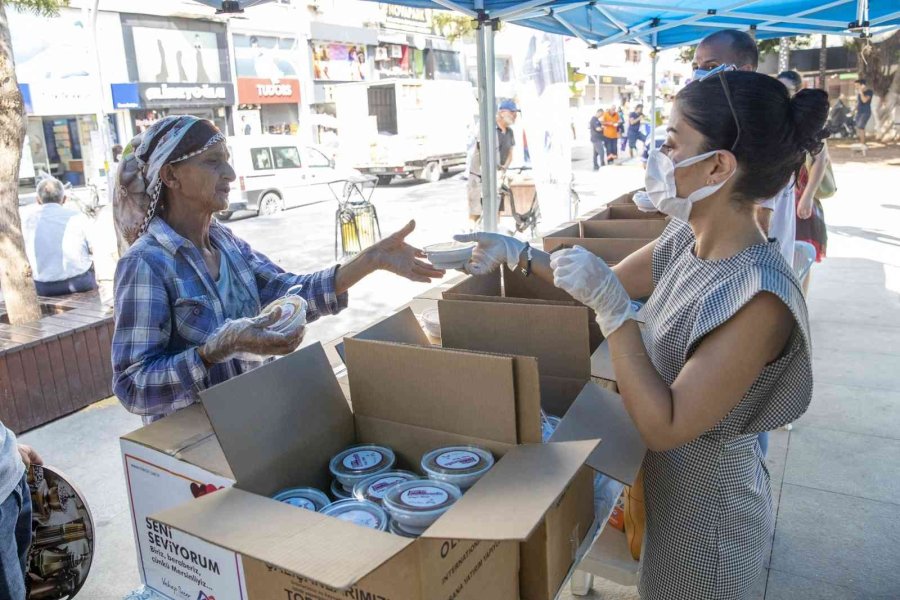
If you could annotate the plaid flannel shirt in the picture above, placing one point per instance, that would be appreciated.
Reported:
(167, 305)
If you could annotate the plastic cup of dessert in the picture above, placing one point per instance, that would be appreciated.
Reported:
(338, 492)
(450, 255)
(303, 497)
(359, 462)
(549, 423)
(395, 528)
(361, 512)
(374, 488)
(293, 313)
(432, 322)
(415, 505)
(459, 465)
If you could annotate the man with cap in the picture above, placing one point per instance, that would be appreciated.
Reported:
(506, 139)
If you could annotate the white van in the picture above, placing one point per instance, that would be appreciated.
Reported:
(275, 172)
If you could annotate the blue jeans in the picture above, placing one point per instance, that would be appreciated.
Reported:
(764, 442)
(15, 539)
(85, 282)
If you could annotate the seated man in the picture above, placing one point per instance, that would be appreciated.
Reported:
(56, 242)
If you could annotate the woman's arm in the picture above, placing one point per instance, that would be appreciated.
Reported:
(816, 174)
(146, 379)
(712, 382)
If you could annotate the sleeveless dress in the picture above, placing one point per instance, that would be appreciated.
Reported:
(709, 503)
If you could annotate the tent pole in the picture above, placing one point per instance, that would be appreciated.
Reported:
(486, 114)
(653, 60)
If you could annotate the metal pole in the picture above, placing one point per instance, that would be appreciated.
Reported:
(653, 60)
(487, 119)
(102, 125)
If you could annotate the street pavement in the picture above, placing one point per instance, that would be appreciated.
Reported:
(835, 477)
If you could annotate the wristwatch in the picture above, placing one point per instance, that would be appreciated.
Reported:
(528, 255)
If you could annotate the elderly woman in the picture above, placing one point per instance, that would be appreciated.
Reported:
(188, 292)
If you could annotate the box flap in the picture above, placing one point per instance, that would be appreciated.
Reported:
(510, 501)
(624, 211)
(476, 285)
(556, 335)
(595, 413)
(623, 228)
(281, 423)
(528, 399)
(516, 285)
(177, 432)
(459, 392)
(611, 250)
(401, 327)
(323, 549)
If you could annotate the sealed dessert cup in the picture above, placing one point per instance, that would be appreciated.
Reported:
(395, 528)
(338, 492)
(303, 497)
(361, 512)
(359, 462)
(432, 323)
(415, 505)
(374, 488)
(293, 313)
(459, 465)
(549, 423)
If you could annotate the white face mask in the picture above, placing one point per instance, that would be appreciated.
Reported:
(660, 183)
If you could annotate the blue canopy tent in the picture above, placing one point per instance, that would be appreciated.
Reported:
(657, 25)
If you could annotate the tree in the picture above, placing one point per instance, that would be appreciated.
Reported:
(15, 273)
(879, 64)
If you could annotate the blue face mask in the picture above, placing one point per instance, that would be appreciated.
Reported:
(700, 74)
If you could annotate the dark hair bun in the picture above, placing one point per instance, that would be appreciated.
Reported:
(809, 111)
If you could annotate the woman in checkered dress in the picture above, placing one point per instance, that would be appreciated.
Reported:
(725, 353)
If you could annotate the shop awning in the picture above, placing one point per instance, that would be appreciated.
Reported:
(667, 24)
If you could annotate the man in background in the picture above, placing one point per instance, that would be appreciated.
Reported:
(506, 140)
(634, 129)
(863, 109)
(56, 242)
(610, 120)
(597, 142)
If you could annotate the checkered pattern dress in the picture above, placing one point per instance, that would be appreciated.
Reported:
(709, 504)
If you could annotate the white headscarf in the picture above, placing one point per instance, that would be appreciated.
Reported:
(138, 181)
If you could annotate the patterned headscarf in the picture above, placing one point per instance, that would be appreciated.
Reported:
(139, 187)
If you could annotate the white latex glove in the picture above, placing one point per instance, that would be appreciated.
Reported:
(492, 251)
(250, 335)
(588, 279)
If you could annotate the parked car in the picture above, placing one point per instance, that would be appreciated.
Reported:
(275, 172)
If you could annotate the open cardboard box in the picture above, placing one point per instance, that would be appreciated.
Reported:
(611, 240)
(509, 287)
(278, 427)
(622, 211)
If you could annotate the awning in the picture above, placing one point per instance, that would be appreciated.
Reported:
(681, 22)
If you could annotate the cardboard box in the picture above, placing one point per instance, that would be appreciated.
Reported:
(279, 425)
(558, 339)
(511, 287)
(622, 211)
(611, 240)
(169, 463)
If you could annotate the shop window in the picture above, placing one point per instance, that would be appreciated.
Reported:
(286, 157)
(383, 106)
(316, 159)
(446, 62)
(262, 159)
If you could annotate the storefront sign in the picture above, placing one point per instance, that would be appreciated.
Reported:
(254, 90)
(78, 96)
(407, 18)
(162, 95)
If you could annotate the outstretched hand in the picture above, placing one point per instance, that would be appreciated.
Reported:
(395, 255)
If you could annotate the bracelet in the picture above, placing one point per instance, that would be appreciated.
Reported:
(612, 358)
(527, 270)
